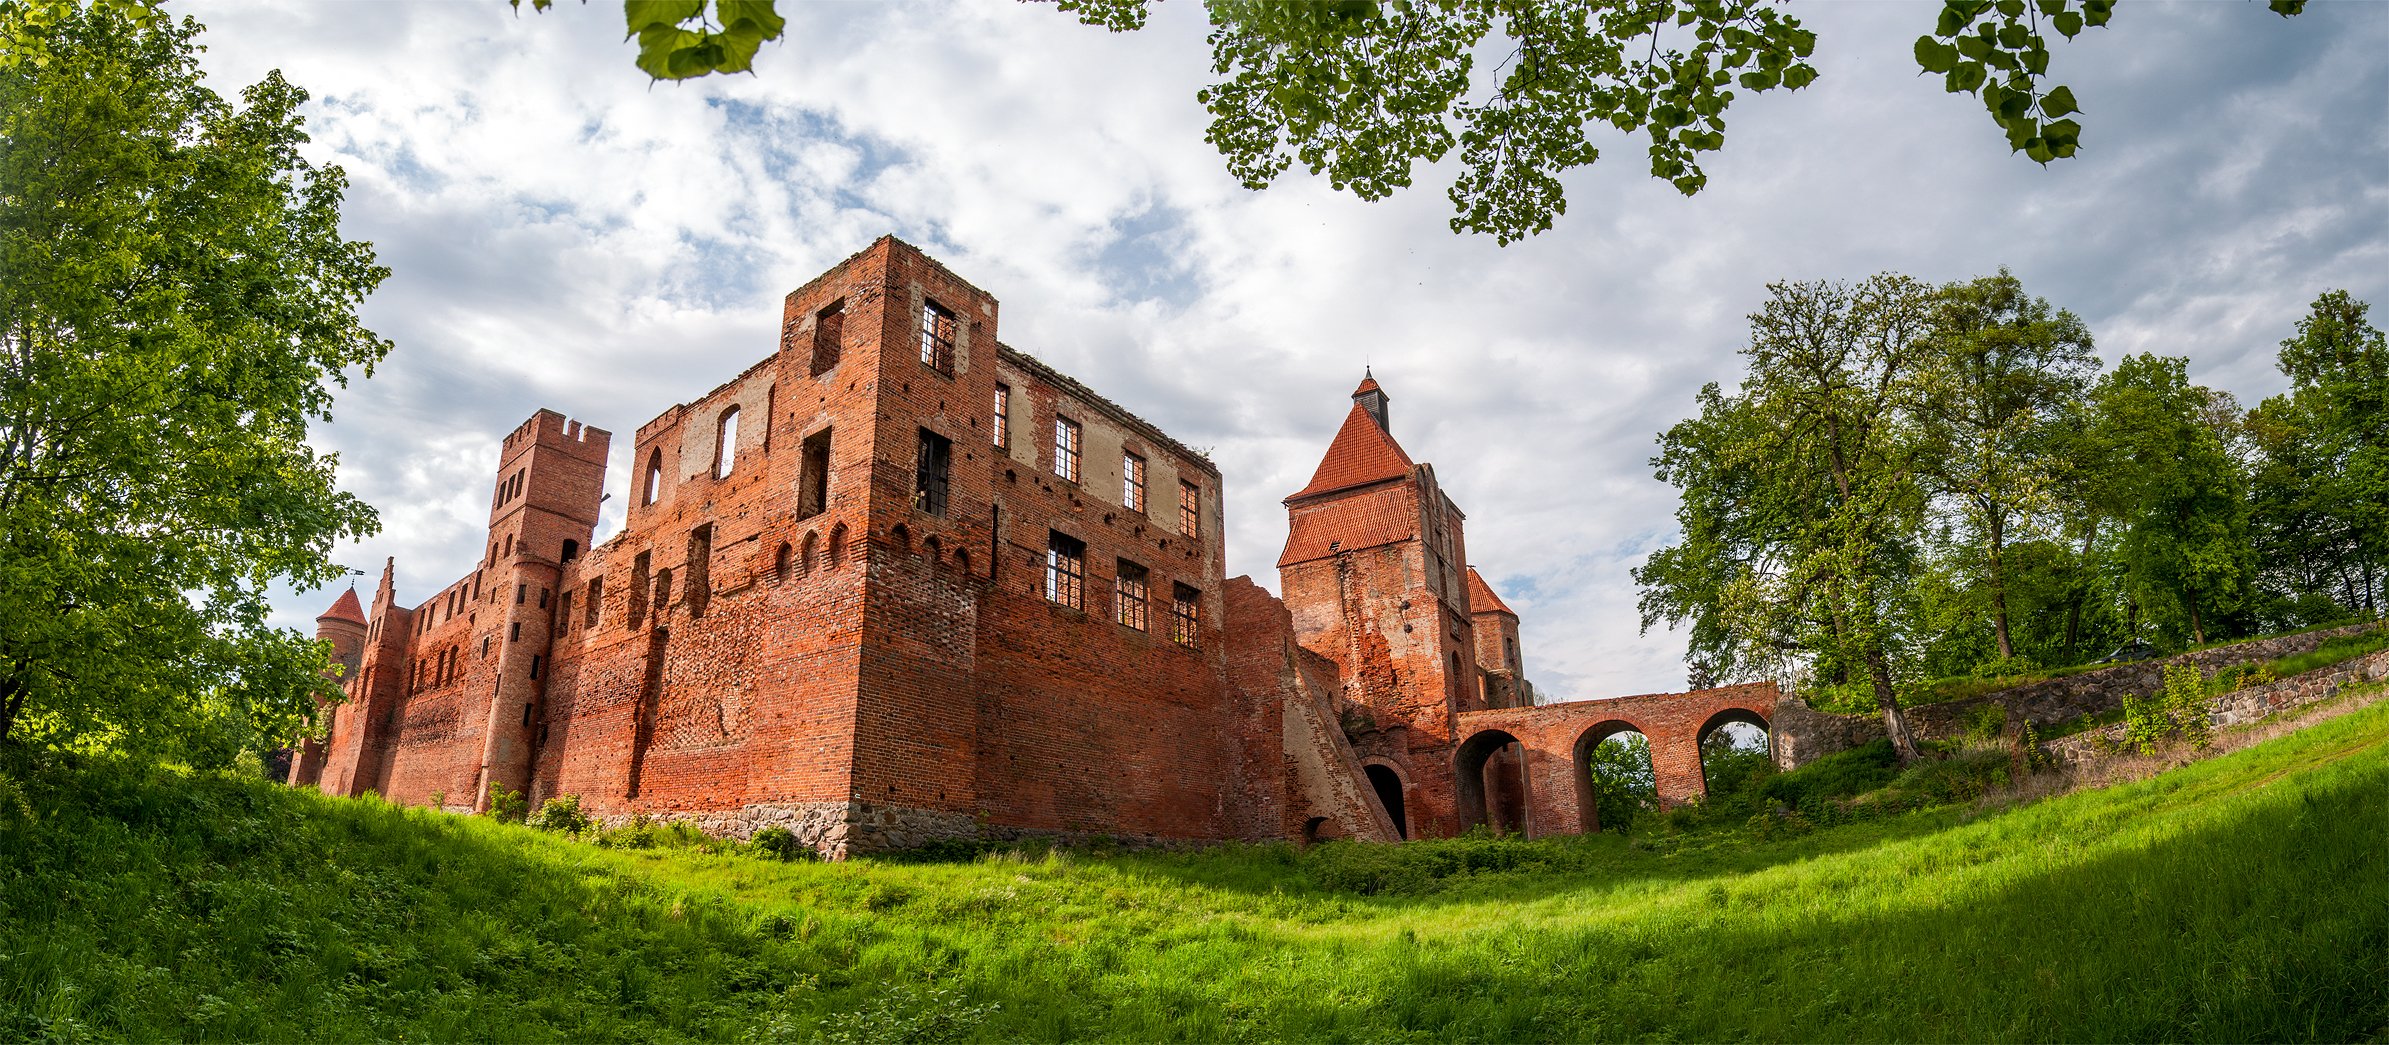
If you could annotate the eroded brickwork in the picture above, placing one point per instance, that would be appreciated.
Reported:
(898, 583)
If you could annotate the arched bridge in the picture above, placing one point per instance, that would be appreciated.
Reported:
(1554, 793)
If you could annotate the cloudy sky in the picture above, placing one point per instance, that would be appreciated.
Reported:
(563, 234)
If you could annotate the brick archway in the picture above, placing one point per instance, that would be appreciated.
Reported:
(1553, 744)
(1484, 768)
(1588, 796)
(1392, 788)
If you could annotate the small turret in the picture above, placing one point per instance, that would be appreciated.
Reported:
(1372, 399)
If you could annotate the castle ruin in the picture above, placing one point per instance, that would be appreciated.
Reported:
(898, 583)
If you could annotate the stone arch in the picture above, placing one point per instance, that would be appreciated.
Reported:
(901, 537)
(962, 561)
(837, 546)
(934, 550)
(1392, 787)
(806, 550)
(1588, 791)
(1490, 780)
(781, 562)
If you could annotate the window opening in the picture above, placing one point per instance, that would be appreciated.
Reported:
(937, 337)
(1065, 570)
(596, 599)
(654, 487)
(813, 483)
(829, 333)
(1003, 417)
(572, 550)
(930, 472)
(725, 444)
(1185, 616)
(700, 569)
(1065, 448)
(1128, 594)
(1132, 481)
(1190, 509)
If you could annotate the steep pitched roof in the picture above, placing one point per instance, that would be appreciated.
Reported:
(1481, 598)
(1368, 384)
(1362, 453)
(345, 609)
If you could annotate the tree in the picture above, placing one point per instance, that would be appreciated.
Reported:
(1624, 786)
(1361, 90)
(1802, 500)
(2178, 493)
(2009, 367)
(2324, 447)
(176, 303)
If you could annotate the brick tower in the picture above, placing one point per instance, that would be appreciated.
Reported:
(1374, 576)
(344, 627)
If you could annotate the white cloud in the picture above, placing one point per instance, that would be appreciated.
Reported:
(565, 235)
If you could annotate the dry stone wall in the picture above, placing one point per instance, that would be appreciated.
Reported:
(1803, 734)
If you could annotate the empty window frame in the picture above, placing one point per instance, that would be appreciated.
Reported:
(813, 482)
(1190, 509)
(937, 338)
(653, 485)
(1186, 616)
(1128, 595)
(1065, 448)
(829, 335)
(1065, 570)
(930, 469)
(1132, 481)
(725, 444)
(1003, 417)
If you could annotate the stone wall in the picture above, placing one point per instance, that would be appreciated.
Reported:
(2245, 705)
(1802, 734)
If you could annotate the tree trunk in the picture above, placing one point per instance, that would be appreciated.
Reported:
(2073, 617)
(12, 700)
(2007, 647)
(1895, 721)
(2198, 631)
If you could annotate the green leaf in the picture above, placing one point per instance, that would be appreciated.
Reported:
(763, 14)
(657, 46)
(2058, 102)
(1933, 56)
(642, 15)
(2067, 22)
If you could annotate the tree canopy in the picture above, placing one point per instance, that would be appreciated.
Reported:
(1973, 499)
(1363, 90)
(176, 307)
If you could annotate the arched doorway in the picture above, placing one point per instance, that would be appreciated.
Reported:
(1490, 778)
(1735, 745)
(1615, 780)
(1388, 785)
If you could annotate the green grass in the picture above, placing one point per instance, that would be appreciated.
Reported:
(2238, 898)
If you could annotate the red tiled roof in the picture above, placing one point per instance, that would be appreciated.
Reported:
(345, 609)
(1368, 384)
(1481, 598)
(1362, 453)
(1351, 523)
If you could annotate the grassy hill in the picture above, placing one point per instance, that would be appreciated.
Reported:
(2239, 898)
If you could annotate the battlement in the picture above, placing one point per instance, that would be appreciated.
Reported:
(552, 430)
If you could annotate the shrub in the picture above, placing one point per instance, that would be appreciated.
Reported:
(2180, 709)
(780, 843)
(2186, 705)
(562, 813)
(507, 806)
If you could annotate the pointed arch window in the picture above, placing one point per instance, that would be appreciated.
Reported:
(725, 444)
(653, 486)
